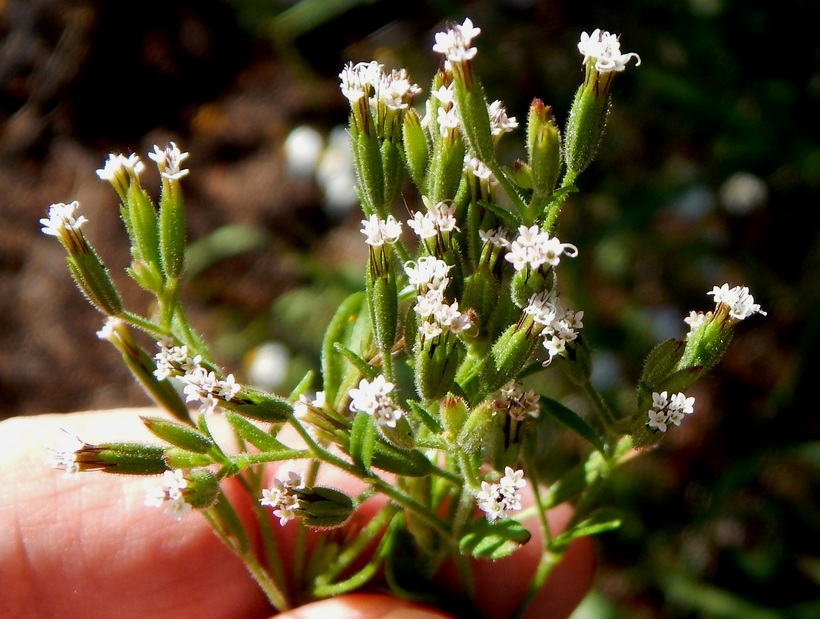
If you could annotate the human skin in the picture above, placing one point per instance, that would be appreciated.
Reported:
(88, 547)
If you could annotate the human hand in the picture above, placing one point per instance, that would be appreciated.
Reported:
(88, 547)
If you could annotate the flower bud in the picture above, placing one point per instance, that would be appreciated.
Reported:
(416, 148)
(478, 428)
(401, 435)
(436, 363)
(544, 148)
(141, 223)
(121, 458)
(453, 412)
(529, 281)
(202, 489)
(324, 508)
(182, 436)
(258, 404)
(585, 127)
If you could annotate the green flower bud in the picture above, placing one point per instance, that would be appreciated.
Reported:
(585, 127)
(453, 412)
(401, 435)
(471, 105)
(142, 225)
(544, 148)
(508, 355)
(260, 405)
(529, 281)
(120, 458)
(436, 362)
(202, 489)
(416, 148)
(182, 436)
(478, 428)
(324, 508)
(382, 298)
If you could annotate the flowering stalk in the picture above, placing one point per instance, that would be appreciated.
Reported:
(425, 393)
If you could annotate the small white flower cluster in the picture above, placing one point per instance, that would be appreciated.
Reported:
(429, 276)
(740, 303)
(439, 218)
(499, 499)
(115, 165)
(473, 165)
(605, 49)
(500, 123)
(517, 403)
(380, 231)
(428, 273)
(669, 410)
(368, 80)
(282, 498)
(199, 384)
(561, 325)
(533, 248)
(304, 404)
(373, 398)
(499, 237)
(446, 114)
(455, 42)
(169, 494)
(169, 160)
(61, 217)
(64, 456)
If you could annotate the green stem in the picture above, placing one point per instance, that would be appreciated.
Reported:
(554, 208)
(600, 406)
(325, 456)
(241, 548)
(511, 191)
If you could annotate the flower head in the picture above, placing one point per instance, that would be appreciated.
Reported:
(61, 218)
(373, 398)
(455, 42)
(739, 302)
(169, 494)
(381, 231)
(497, 500)
(667, 410)
(534, 248)
(605, 49)
(169, 161)
(283, 497)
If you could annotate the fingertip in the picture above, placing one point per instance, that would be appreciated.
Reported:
(363, 606)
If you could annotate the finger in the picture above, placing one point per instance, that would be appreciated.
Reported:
(363, 606)
(88, 547)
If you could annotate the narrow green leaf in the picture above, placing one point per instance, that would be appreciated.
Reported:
(599, 521)
(255, 435)
(339, 329)
(572, 421)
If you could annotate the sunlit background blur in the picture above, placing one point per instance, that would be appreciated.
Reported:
(708, 173)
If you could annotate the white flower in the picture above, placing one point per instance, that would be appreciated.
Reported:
(476, 167)
(668, 410)
(380, 231)
(169, 494)
(169, 160)
(499, 237)
(500, 123)
(61, 217)
(499, 499)
(373, 398)
(605, 49)
(447, 119)
(517, 403)
(740, 303)
(534, 248)
(455, 42)
(63, 456)
(428, 272)
(116, 164)
(282, 497)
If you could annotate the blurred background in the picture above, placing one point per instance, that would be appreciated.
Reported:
(709, 173)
